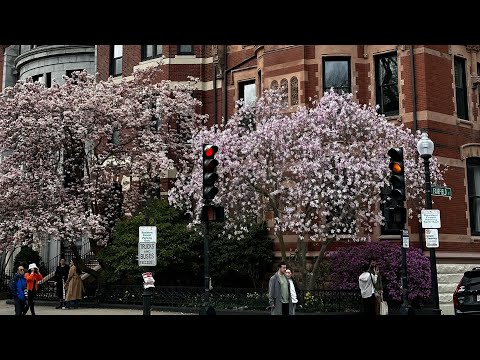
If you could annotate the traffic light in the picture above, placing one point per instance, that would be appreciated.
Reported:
(209, 172)
(397, 178)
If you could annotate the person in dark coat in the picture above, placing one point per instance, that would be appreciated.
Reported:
(20, 291)
(279, 298)
(61, 275)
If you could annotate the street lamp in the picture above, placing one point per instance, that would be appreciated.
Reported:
(425, 149)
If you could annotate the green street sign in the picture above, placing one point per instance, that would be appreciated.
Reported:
(441, 191)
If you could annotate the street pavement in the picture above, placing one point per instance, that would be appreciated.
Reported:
(49, 309)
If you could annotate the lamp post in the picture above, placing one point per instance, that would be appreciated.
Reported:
(425, 148)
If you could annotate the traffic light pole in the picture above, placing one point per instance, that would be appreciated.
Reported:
(206, 309)
(405, 307)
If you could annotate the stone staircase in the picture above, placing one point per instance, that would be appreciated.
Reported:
(449, 276)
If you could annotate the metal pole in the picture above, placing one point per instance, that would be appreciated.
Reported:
(206, 309)
(147, 292)
(433, 258)
(405, 305)
(205, 252)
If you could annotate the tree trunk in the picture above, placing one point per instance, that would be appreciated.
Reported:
(318, 261)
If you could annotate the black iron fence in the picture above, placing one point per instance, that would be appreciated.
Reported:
(325, 301)
(221, 298)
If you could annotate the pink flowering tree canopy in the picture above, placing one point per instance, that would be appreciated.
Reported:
(319, 170)
(66, 150)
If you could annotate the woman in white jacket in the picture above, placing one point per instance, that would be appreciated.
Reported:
(366, 282)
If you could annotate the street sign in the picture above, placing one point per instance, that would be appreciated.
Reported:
(431, 219)
(441, 191)
(431, 238)
(147, 246)
(405, 239)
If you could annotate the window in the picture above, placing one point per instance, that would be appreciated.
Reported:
(284, 89)
(386, 79)
(116, 60)
(336, 74)
(473, 178)
(294, 91)
(478, 86)
(461, 88)
(151, 51)
(274, 85)
(247, 91)
(38, 78)
(48, 79)
(185, 50)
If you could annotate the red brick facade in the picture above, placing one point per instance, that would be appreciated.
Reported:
(435, 103)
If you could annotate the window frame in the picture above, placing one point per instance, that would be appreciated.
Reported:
(180, 52)
(471, 163)
(155, 53)
(332, 59)
(464, 89)
(379, 87)
(113, 61)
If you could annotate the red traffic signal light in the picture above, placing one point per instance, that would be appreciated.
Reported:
(209, 171)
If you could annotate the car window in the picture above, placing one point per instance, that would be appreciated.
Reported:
(472, 280)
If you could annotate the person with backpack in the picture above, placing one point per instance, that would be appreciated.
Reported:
(18, 287)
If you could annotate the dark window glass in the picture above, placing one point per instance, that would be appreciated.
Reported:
(386, 79)
(473, 178)
(185, 49)
(461, 88)
(478, 87)
(116, 60)
(151, 51)
(336, 74)
(38, 78)
(48, 80)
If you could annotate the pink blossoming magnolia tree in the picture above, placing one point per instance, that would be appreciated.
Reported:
(67, 148)
(319, 170)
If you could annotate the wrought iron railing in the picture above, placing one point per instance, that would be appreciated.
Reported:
(325, 301)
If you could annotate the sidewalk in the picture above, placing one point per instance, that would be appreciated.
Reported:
(42, 308)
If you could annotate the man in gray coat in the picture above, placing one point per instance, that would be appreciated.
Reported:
(279, 292)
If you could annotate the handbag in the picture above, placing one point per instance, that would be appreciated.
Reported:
(383, 307)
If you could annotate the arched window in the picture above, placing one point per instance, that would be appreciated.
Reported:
(274, 85)
(294, 91)
(284, 87)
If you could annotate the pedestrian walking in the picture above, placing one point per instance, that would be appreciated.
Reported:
(279, 297)
(19, 291)
(74, 286)
(378, 286)
(366, 282)
(61, 275)
(294, 290)
(33, 276)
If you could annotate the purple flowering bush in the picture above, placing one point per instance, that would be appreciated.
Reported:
(346, 266)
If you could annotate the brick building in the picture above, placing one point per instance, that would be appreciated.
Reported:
(441, 96)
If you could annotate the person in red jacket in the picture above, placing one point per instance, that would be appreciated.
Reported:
(33, 277)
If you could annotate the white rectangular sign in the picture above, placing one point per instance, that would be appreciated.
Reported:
(431, 238)
(431, 219)
(405, 239)
(147, 234)
(147, 254)
(147, 246)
